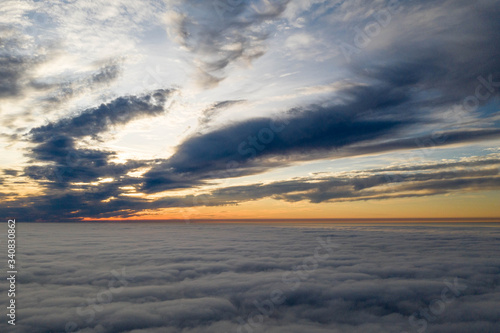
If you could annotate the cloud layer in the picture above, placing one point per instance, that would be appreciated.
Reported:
(221, 278)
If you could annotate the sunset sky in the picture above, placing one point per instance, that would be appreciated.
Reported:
(233, 109)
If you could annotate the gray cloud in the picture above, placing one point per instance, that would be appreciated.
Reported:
(16, 63)
(56, 142)
(253, 146)
(223, 32)
(10, 172)
(214, 110)
(309, 131)
(67, 164)
(96, 120)
(371, 184)
(213, 278)
(109, 199)
(402, 99)
(61, 92)
(20, 59)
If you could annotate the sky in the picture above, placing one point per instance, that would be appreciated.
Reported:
(260, 109)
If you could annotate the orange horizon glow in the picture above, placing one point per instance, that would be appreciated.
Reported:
(478, 206)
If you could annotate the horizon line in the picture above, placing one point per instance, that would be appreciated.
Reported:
(301, 220)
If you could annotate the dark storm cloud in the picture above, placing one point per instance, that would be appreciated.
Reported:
(99, 119)
(246, 145)
(213, 278)
(110, 200)
(56, 143)
(80, 165)
(403, 89)
(69, 193)
(257, 145)
(371, 184)
(221, 33)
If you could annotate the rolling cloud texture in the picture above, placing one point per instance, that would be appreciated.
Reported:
(222, 278)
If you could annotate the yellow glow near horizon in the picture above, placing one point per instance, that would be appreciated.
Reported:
(480, 205)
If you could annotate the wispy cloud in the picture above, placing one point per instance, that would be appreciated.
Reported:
(222, 33)
(210, 113)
